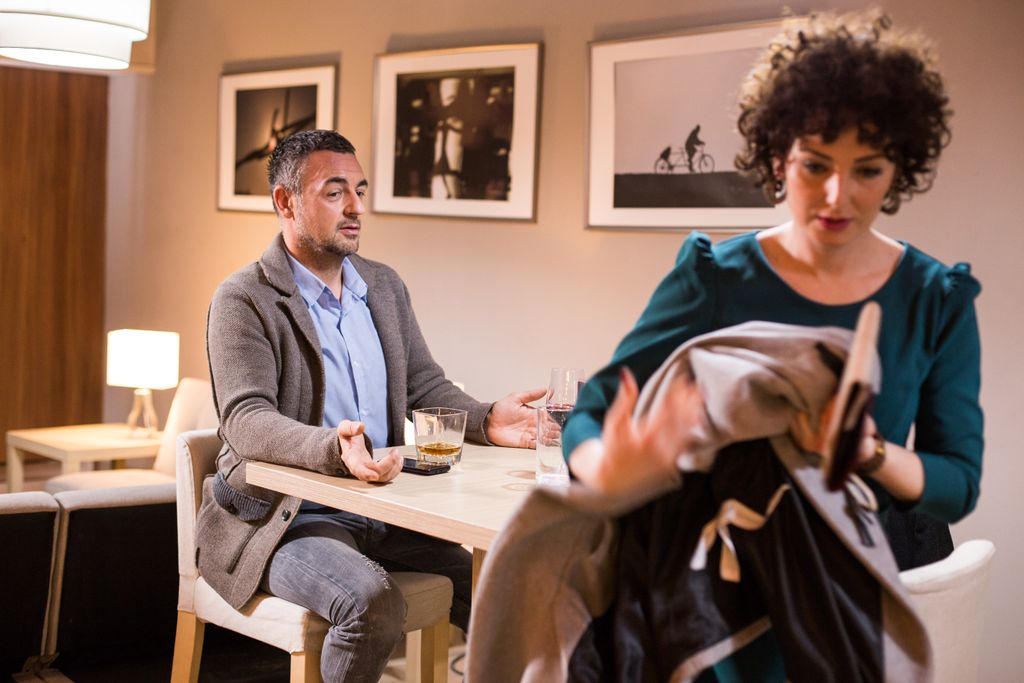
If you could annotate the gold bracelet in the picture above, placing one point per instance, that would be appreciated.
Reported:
(877, 459)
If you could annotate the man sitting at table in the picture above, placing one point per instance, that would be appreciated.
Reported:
(316, 358)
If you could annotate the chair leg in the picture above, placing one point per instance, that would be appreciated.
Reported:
(305, 667)
(413, 656)
(188, 648)
(426, 654)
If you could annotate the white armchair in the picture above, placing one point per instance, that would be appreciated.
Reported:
(28, 529)
(191, 408)
(949, 595)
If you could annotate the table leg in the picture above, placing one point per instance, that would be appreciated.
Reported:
(72, 464)
(478, 562)
(15, 470)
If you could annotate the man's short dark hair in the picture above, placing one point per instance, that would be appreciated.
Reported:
(289, 157)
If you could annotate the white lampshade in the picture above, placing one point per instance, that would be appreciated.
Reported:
(142, 359)
(89, 34)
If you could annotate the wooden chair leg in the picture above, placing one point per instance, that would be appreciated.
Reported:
(426, 654)
(305, 667)
(188, 648)
(413, 656)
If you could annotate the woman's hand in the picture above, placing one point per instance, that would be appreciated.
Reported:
(632, 453)
(811, 437)
(901, 472)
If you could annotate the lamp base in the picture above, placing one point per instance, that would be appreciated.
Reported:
(142, 405)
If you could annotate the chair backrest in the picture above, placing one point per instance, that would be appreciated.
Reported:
(28, 526)
(191, 408)
(114, 579)
(949, 595)
(196, 458)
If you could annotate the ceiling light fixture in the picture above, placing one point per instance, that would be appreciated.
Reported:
(86, 34)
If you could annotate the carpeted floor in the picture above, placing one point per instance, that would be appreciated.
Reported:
(227, 658)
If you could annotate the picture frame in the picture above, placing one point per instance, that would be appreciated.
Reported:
(258, 110)
(662, 132)
(455, 132)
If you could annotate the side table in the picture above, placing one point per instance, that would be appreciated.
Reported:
(73, 445)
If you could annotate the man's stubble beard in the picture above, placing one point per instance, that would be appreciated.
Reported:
(327, 247)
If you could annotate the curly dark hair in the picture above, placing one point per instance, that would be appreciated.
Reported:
(827, 73)
(289, 157)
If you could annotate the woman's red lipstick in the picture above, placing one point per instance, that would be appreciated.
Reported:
(834, 223)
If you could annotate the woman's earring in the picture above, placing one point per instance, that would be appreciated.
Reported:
(778, 189)
(778, 178)
(891, 202)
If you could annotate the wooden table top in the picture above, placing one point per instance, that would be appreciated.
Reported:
(467, 505)
(85, 440)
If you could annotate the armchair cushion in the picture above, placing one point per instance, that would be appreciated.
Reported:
(107, 479)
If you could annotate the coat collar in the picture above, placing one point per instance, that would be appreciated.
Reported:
(275, 267)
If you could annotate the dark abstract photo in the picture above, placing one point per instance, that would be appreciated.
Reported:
(264, 117)
(453, 133)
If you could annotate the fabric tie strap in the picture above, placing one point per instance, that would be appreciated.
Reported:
(731, 512)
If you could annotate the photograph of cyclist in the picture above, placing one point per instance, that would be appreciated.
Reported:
(692, 142)
(669, 151)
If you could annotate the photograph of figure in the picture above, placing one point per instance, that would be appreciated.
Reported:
(453, 134)
(673, 132)
(264, 117)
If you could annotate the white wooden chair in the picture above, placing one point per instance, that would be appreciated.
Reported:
(949, 595)
(275, 621)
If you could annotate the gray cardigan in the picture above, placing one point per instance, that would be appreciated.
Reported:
(268, 381)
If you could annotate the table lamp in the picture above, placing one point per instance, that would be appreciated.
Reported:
(142, 360)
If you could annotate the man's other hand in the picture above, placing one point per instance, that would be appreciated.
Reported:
(513, 423)
(359, 461)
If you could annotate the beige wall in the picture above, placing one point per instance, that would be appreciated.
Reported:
(513, 299)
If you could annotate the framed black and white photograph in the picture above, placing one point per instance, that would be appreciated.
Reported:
(455, 132)
(663, 132)
(257, 111)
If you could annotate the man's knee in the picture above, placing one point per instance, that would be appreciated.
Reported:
(374, 605)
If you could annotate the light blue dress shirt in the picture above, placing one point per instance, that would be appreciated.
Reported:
(354, 370)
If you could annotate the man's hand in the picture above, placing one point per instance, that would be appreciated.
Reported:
(513, 423)
(359, 461)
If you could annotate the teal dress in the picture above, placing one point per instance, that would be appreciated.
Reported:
(928, 346)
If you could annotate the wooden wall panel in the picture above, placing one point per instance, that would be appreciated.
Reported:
(53, 148)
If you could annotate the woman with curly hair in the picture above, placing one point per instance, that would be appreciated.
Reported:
(843, 117)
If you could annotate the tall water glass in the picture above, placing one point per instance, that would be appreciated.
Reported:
(551, 467)
(563, 387)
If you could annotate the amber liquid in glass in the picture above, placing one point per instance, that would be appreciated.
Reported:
(438, 452)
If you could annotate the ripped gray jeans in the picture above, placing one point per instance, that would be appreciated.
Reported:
(324, 564)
